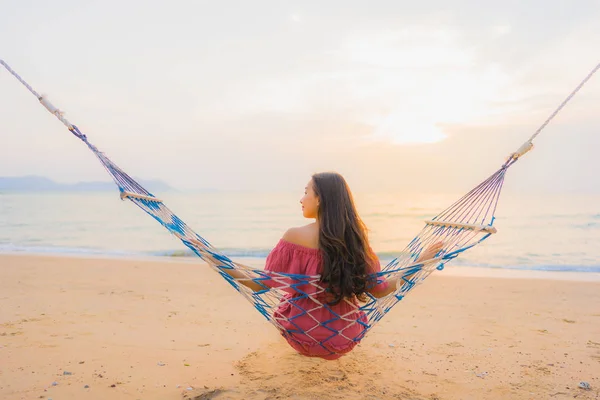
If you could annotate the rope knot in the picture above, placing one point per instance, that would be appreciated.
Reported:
(525, 147)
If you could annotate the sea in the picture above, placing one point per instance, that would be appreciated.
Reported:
(535, 232)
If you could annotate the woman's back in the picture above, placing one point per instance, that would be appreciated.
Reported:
(310, 324)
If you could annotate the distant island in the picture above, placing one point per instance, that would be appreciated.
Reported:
(35, 183)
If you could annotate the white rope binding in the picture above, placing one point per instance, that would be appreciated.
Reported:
(55, 111)
(45, 102)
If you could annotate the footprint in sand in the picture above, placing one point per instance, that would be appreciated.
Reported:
(278, 369)
(11, 333)
(594, 345)
(205, 394)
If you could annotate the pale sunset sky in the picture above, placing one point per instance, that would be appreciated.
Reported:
(257, 95)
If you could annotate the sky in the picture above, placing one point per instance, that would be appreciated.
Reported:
(237, 95)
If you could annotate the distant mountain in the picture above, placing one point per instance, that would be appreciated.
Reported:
(39, 183)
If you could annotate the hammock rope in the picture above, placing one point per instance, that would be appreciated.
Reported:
(528, 145)
(463, 225)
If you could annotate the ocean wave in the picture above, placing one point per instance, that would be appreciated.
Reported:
(421, 216)
(246, 253)
(12, 248)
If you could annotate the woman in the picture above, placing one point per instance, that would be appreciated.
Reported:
(335, 247)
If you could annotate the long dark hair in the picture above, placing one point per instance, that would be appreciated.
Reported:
(343, 240)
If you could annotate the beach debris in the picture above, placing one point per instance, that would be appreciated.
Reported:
(189, 389)
(585, 386)
(67, 373)
(81, 362)
(161, 364)
(113, 385)
(54, 383)
(481, 375)
(186, 364)
(392, 345)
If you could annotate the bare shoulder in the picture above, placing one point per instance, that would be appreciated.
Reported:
(307, 236)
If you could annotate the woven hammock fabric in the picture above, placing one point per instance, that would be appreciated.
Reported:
(464, 224)
(460, 227)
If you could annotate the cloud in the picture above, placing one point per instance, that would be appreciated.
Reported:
(265, 96)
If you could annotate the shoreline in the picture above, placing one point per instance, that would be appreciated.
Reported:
(258, 262)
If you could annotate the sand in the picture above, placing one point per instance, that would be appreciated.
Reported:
(141, 329)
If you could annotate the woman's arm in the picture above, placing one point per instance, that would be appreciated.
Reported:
(429, 253)
(243, 279)
(239, 276)
(390, 288)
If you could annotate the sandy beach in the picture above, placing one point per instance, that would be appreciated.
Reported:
(75, 328)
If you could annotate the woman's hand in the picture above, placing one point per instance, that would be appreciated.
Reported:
(431, 251)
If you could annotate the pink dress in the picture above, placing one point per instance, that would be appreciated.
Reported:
(310, 329)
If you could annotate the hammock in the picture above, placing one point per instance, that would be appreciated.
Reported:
(463, 225)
